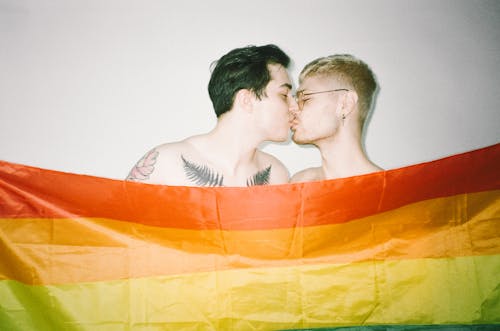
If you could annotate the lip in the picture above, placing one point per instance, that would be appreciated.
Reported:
(293, 121)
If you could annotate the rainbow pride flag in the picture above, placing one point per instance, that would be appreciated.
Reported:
(415, 248)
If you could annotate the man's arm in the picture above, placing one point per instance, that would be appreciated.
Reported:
(143, 169)
(161, 165)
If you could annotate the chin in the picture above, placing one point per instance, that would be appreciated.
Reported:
(299, 140)
(280, 136)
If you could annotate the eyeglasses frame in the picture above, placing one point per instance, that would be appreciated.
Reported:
(299, 95)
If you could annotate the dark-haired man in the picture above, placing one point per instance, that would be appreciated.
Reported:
(250, 90)
(334, 97)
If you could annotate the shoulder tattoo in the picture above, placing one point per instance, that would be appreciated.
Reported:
(145, 167)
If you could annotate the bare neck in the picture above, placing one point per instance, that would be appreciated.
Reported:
(230, 145)
(343, 156)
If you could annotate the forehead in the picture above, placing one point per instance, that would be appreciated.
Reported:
(279, 76)
(313, 83)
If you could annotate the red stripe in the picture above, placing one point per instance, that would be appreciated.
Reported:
(39, 193)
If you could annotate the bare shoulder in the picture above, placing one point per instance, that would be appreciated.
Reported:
(278, 172)
(307, 175)
(161, 165)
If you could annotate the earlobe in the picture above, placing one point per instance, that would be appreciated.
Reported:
(349, 101)
(348, 104)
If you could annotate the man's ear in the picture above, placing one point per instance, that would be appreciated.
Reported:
(244, 100)
(351, 100)
(349, 103)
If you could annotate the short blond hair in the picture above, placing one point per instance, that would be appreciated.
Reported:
(350, 71)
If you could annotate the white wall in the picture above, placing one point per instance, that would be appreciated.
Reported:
(88, 86)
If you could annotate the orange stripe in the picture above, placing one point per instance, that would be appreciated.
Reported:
(28, 192)
(54, 251)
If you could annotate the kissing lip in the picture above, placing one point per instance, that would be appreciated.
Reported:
(293, 121)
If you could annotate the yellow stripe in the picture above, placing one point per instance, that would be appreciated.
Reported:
(420, 291)
(55, 251)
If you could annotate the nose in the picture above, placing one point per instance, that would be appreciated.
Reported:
(293, 106)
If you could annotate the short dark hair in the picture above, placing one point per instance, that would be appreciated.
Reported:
(243, 68)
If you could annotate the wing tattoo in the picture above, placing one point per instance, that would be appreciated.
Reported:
(144, 168)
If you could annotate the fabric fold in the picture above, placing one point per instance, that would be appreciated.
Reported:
(410, 248)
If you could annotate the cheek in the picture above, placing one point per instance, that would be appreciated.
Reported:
(312, 117)
(317, 121)
(275, 115)
(280, 111)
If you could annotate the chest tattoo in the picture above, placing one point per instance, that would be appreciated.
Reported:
(260, 178)
(202, 175)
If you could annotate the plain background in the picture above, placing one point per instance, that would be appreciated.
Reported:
(89, 86)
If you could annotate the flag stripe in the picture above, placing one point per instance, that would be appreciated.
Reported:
(234, 208)
(412, 246)
(46, 251)
(430, 327)
(442, 291)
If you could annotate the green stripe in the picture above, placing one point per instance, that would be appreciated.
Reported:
(443, 327)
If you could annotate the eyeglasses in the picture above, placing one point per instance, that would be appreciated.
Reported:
(299, 97)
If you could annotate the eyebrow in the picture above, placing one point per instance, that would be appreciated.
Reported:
(289, 86)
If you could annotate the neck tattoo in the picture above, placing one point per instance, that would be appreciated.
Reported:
(202, 175)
